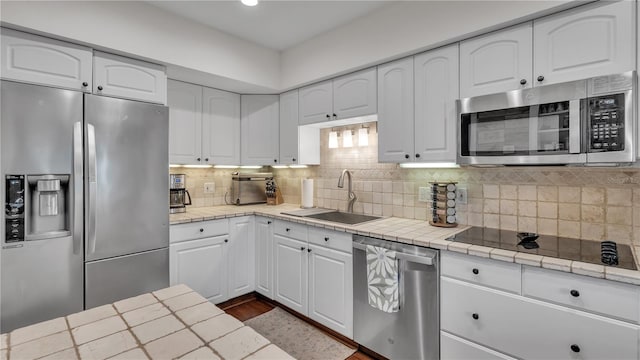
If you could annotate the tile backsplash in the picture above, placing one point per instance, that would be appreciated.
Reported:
(591, 203)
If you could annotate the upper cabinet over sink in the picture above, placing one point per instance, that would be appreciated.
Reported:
(345, 97)
(587, 41)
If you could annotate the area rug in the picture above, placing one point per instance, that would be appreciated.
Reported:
(296, 337)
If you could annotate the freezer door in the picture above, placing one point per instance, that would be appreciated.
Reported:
(118, 278)
(126, 177)
(41, 134)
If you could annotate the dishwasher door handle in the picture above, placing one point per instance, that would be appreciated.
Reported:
(426, 260)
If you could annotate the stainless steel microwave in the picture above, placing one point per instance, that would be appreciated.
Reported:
(589, 121)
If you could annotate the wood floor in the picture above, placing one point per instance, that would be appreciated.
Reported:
(252, 307)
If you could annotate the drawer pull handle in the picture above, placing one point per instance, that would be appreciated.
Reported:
(475, 316)
(575, 348)
(574, 293)
(288, 229)
(326, 239)
(268, 222)
(226, 240)
(475, 271)
(201, 230)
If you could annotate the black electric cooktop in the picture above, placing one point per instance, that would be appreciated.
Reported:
(606, 253)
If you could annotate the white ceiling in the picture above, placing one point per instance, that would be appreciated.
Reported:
(275, 24)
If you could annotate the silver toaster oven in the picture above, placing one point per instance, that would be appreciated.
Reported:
(249, 188)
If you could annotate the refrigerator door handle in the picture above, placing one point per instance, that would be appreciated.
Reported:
(92, 182)
(77, 187)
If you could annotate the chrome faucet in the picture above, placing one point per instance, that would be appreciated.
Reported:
(352, 196)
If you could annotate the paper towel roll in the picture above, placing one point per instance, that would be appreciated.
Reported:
(307, 193)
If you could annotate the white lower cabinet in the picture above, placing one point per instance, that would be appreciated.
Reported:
(241, 256)
(202, 265)
(264, 256)
(331, 289)
(290, 272)
(475, 317)
(456, 348)
(220, 266)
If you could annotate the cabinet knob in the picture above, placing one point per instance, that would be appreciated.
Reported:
(475, 271)
(523, 81)
(287, 229)
(206, 159)
(198, 159)
(475, 316)
(417, 155)
(406, 156)
(293, 160)
(302, 248)
(201, 230)
(268, 222)
(308, 250)
(574, 293)
(85, 84)
(326, 239)
(335, 116)
(226, 240)
(100, 87)
(575, 348)
(275, 160)
(328, 116)
(540, 78)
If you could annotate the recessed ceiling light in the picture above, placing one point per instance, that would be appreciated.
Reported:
(250, 2)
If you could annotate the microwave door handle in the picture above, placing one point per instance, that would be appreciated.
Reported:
(574, 127)
(189, 196)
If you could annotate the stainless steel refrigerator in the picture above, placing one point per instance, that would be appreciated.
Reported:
(86, 219)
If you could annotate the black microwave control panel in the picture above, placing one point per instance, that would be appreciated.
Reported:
(606, 123)
(14, 208)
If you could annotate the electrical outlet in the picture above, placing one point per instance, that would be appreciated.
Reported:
(423, 194)
(461, 196)
(209, 188)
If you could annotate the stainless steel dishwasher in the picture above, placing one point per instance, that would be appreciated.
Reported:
(413, 332)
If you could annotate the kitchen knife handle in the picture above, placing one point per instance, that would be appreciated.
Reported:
(78, 191)
(93, 184)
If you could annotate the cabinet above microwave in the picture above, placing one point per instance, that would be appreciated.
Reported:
(588, 121)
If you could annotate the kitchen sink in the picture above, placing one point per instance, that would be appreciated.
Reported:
(343, 217)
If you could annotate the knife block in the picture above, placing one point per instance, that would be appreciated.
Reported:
(277, 199)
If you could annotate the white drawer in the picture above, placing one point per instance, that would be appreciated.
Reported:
(601, 296)
(198, 230)
(455, 348)
(494, 273)
(332, 239)
(531, 329)
(291, 230)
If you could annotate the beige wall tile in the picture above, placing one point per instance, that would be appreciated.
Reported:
(594, 196)
(590, 231)
(636, 196)
(492, 221)
(491, 191)
(620, 233)
(569, 211)
(527, 224)
(527, 192)
(475, 219)
(527, 208)
(548, 193)
(475, 205)
(569, 228)
(593, 214)
(508, 207)
(569, 194)
(548, 226)
(509, 222)
(619, 197)
(509, 192)
(491, 206)
(548, 210)
(636, 216)
(620, 215)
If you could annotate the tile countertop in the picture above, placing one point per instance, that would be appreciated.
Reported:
(175, 322)
(415, 232)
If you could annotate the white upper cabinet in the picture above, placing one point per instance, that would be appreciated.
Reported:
(185, 123)
(122, 77)
(220, 127)
(40, 60)
(316, 103)
(591, 40)
(497, 62)
(436, 91)
(395, 111)
(289, 127)
(355, 94)
(260, 129)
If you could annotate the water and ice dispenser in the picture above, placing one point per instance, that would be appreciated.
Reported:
(37, 207)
